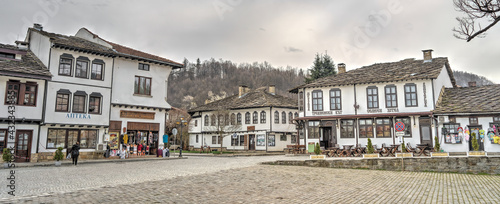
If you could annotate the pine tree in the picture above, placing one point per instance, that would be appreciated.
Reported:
(369, 147)
(437, 146)
(323, 66)
(475, 145)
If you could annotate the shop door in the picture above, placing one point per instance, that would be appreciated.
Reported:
(328, 138)
(425, 131)
(475, 129)
(22, 146)
(251, 142)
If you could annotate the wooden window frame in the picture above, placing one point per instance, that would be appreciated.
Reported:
(68, 105)
(383, 125)
(213, 120)
(79, 137)
(87, 62)
(247, 118)
(276, 117)
(143, 66)
(84, 103)
(263, 117)
(344, 128)
(233, 119)
(367, 124)
(139, 83)
(238, 119)
(408, 126)
(207, 120)
(395, 94)
(255, 117)
(290, 117)
(333, 99)
(317, 102)
(374, 103)
(99, 106)
(472, 119)
(92, 71)
(21, 93)
(61, 58)
(410, 94)
(313, 130)
(283, 117)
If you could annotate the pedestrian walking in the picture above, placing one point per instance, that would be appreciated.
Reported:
(108, 151)
(75, 152)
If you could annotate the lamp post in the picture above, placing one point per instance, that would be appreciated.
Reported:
(182, 123)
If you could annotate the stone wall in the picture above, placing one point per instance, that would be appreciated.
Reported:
(49, 156)
(488, 165)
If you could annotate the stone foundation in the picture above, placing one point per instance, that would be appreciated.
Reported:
(475, 165)
(49, 156)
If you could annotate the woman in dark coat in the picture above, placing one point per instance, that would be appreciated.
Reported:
(75, 152)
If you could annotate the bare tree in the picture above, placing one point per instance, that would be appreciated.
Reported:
(174, 116)
(223, 123)
(475, 10)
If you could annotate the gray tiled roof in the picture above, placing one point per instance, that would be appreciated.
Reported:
(408, 69)
(483, 99)
(29, 66)
(253, 99)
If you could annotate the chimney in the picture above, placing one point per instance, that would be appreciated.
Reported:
(341, 67)
(472, 84)
(427, 55)
(242, 89)
(272, 89)
(22, 45)
(38, 26)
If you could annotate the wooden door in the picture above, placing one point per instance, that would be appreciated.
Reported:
(251, 142)
(23, 144)
(425, 132)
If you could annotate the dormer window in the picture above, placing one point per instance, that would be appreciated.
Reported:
(144, 67)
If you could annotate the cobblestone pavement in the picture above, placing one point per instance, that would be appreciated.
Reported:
(240, 180)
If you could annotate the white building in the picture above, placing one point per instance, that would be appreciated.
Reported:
(350, 107)
(252, 120)
(23, 77)
(469, 108)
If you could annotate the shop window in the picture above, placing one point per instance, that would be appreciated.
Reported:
(411, 95)
(62, 100)
(347, 129)
(407, 122)
(451, 133)
(335, 99)
(142, 85)
(144, 67)
(234, 141)
(97, 69)
(313, 129)
(372, 97)
(66, 138)
(238, 119)
(255, 117)
(88, 139)
(282, 137)
(247, 118)
(242, 140)
(276, 117)
(391, 100)
(79, 102)
(65, 64)
(56, 138)
(263, 117)
(271, 141)
(365, 128)
(23, 94)
(383, 127)
(317, 100)
(206, 120)
(82, 67)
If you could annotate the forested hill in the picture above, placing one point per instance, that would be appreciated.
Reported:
(215, 79)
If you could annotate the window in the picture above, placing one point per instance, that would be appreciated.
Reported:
(196, 125)
(271, 140)
(347, 129)
(372, 97)
(293, 138)
(233, 119)
(313, 129)
(62, 100)
(365, 128)
(301, 101)
(282, 137)
(3, 139)
(276, 117)
(290, 117)
(226, 119)
(296, 115)
(197, 140)
(451, 130)
(238, 119)
(242, 140)
(234, 141)
(411, 95)
(317, 99)
(255, 117)
(247, 118)
(473, 121)
(142, 85)
(144, 67)
(496, 119)
(383, 127)
(407, 122)
(214, 139)
(335, 103)
(21, 93)
(263, 117)
(391, 97)
(65, 138)
(220, 120)
(206, 120)
(97, 69)
(79, 101)
(283, 117)
(7, 55)
(82, 67)
(95, 103)
(212, 120)
(65, 63)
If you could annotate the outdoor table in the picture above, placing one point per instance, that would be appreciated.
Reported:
(347, 150)
(358, 151)
(385, 151)
(393, 149)
(334, 151)
(421, 148)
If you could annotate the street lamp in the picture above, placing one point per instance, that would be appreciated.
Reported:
(182, 123)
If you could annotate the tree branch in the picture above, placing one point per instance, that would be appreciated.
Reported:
(483, 30)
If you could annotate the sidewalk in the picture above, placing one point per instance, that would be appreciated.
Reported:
(66, 162)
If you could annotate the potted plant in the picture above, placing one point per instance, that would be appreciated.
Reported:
(317, 151)
(437, 149)
(58, 156)
(370, 150)
(475, 146)
(7, 157)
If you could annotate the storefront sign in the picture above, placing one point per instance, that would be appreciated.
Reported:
(372, 110)
(322, 113)
(250, 128)
(392, 110)
(78, 116)
(137, 114)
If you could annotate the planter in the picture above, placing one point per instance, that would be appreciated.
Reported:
(476, 154)
(371, 155)
(404, 154)
(316, 157)
(440, 154)
(58, 163)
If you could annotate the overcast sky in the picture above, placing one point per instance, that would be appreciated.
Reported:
(283, 33)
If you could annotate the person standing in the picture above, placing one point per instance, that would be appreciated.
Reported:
(108, 151)
(75, 152)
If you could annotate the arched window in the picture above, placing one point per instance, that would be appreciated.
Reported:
(247, 118)
(226, 119)
(263, 117)
(206, 120)
(233, 119)
(255, 117)
(283, 117)
(213, 120)
(290, 117)
(276, 117)
(238, 119)
(296, 115)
